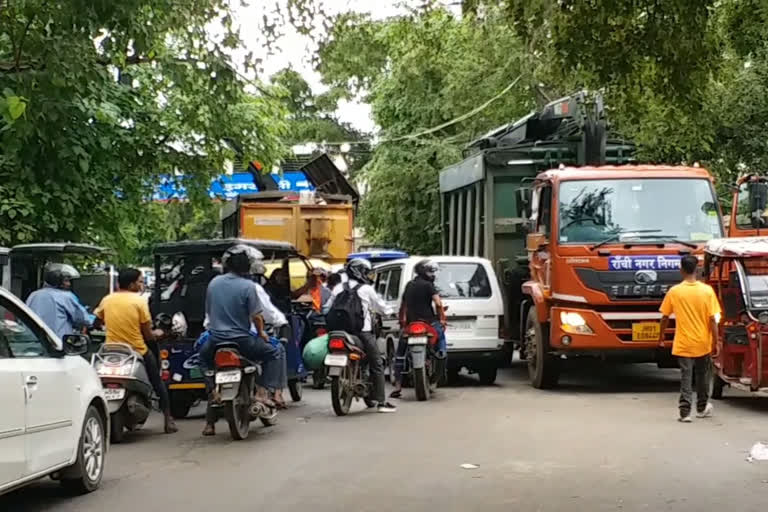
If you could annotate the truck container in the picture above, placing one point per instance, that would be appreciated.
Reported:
(576, 235)
(318, 225)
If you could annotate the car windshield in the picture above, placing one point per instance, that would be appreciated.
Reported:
(462, 281)
(593, 211)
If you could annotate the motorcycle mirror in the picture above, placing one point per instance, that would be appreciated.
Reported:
(76, 344)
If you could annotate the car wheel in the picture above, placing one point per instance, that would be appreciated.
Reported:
(85, 474)
(487, 376)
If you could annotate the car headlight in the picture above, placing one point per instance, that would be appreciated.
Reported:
(574, 323)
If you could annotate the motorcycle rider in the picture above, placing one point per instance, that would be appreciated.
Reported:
(126, 316)
(55, 303)
(421, 303)
(232, 305)
(357, 271)
(321, 295)
(277, 319)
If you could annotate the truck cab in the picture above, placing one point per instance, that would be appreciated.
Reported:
(604, 247)
(749, 211)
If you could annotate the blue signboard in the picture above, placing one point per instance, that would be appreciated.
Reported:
(651, 262)
(229, 186)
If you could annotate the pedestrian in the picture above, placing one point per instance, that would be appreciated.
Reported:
(697, 312)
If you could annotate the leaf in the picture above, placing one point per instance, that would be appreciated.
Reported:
(16, 106)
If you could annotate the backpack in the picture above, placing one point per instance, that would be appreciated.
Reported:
(346, 313)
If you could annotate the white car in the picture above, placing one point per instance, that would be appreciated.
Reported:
(469, 287)
(53, 415)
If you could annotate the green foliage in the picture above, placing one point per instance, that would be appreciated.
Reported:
(419, 71)
(100, 99)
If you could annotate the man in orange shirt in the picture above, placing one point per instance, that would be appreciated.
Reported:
(697, 312)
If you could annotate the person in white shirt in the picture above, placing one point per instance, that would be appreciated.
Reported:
(357, 271)
(275, 318)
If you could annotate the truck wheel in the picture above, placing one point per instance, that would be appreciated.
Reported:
(543, 368)
(717, 385)
(181, 403)
(487, 376)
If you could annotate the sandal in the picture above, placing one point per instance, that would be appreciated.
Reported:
(396, 394)
(209, 430)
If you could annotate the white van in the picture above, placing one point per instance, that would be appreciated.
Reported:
(468, 286)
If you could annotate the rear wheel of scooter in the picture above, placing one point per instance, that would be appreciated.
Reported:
(318, 378)
(237, 415)
(296, 388)
(421, 384)
(341, 398)
(117, 426)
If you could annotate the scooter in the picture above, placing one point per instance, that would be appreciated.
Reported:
(348, 370)
(126, 387)
(234, 379)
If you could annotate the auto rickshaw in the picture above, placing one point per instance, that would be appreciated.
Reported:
(182, 273)
(737, 269)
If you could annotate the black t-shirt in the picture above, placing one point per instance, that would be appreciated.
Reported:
(418, 301)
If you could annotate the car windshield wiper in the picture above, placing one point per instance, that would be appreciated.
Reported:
(617, 236)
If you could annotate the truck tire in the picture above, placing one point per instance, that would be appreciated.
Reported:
(543, 368)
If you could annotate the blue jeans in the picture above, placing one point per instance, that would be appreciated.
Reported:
(402, 348)
(254, 349)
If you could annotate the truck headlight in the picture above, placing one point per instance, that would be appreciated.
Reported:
(574, 323)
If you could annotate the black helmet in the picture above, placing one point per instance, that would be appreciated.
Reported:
(427, 269)
(241, 259)
(57, 274)
(358, 269)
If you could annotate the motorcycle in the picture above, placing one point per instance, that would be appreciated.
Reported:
(420, 361)
(346, 366)
(126, 387)
(306, 325)
(234, 394)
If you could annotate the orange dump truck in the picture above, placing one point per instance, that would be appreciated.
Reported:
(319, 226)
(585, 243)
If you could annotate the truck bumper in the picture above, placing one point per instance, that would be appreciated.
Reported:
(610, 331)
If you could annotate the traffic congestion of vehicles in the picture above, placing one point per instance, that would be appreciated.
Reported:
(557, 245)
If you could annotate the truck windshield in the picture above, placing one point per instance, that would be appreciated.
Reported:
(648, 209)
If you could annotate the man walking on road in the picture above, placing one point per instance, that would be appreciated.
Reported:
(697, 312)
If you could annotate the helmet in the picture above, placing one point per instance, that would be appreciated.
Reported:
(427, 269)
(258, 268)
(57, 274)
(358, 269)
(179, 324)
(240, 259)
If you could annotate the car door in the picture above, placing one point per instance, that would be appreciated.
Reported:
(12, 447)
(49, 389)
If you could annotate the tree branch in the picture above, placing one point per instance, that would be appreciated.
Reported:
(24, 36)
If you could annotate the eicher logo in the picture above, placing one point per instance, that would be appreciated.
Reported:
(646, 276)
(647, 263)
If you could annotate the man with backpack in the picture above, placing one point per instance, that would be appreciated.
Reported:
(351, 312)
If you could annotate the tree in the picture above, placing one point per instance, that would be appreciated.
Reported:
(312, 118)
(101, 99)
(419, 71)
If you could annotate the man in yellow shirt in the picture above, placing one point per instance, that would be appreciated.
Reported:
(696, 311)
(126, 316)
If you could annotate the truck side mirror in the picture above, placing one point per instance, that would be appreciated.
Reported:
(524, 202)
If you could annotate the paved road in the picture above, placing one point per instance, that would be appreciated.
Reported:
(607, 440)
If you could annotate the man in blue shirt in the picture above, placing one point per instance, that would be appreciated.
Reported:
(55, 303)
(232, 305)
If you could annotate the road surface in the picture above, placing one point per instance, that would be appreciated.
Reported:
(608, 439)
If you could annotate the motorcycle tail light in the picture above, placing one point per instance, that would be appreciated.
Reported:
(337, 344)
(417, 329)
(321, 331)
(227, 358)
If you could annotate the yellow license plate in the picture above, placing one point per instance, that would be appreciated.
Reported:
(645, 331)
